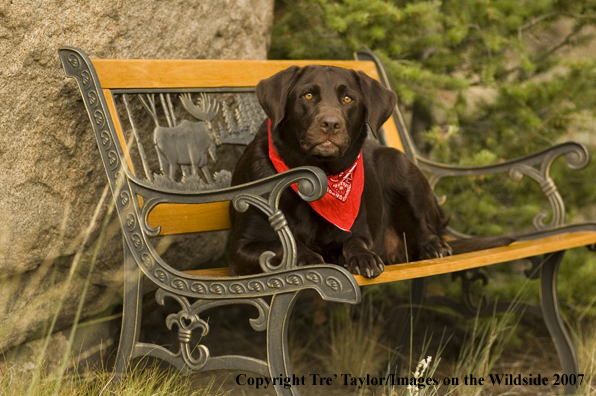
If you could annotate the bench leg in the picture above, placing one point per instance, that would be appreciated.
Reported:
(552, 319)
(278, 355)
(131, 312)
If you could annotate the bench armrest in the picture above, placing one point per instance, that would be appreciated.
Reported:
(332, 282)
(577, 156)
(263, 194)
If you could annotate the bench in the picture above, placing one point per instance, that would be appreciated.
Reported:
(218, 96)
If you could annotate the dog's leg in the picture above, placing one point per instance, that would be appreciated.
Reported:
(305, 256)
(245, 253)
(252, 236)
(414, 212)
(360, 259)
(358, 250)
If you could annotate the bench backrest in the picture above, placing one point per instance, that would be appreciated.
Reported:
(175, 113)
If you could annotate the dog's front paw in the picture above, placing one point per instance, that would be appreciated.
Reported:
(365, 263)
(308, 258)
(435, 248)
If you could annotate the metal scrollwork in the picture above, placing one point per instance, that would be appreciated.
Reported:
(198, 288)
(99, 118)
(147, 261)
(314, 277)
(550, 191)
(147, 208)
(217, 288)
(92, 98)
(113, 160)
(188, 320)
(130, 221)
(74, 60)
(255, 286)
(237, 288)
(85, 77)
(577, 156)
(105, 139)
(161, 275)
(124, 199)
(178, 284)
(333, 283)
(534, 271)
(294, 279)
(77, 64)
(468, 278)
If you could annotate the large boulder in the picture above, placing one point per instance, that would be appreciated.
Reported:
(50, 171)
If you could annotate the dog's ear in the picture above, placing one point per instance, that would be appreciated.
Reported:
(273, 93)
(379, 101)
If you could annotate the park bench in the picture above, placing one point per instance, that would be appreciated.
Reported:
(219, 94)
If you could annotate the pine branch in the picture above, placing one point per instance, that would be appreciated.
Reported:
(547, 53)
(533, 22)
(563, 43)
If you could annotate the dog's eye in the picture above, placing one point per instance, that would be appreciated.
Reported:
(308, 96)
(347, 99)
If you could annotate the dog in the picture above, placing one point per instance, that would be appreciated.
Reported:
(379, 207)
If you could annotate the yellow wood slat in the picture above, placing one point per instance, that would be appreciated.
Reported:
(177, 73)
(211, 272)
(185, 218)
(195, 73)
(392, 135)
(517, 250)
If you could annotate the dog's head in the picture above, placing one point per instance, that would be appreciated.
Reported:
(319, 113)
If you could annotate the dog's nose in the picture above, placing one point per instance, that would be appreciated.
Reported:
(330, 124)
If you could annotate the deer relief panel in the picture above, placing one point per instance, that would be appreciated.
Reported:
(177, 139)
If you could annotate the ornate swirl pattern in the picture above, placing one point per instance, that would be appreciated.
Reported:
(187, 320)
(105, 139)
(92, 96)
(85, 77)
(147, 261)
(535, 166)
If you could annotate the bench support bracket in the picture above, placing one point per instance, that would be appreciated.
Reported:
(552, 318)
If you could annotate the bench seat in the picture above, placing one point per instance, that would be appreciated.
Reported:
(460, 262)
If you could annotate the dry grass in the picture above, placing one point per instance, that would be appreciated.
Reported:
(354, 345)
(143, 381)
(584, 336)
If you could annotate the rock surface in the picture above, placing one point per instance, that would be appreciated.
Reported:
(51, 175)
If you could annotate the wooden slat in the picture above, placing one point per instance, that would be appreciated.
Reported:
(195, 73)
(185, 218)
(517, 250)
(392, 135)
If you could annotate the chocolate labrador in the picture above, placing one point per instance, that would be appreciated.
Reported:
(379, 207)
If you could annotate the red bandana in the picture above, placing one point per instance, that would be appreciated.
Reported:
(341, 204)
